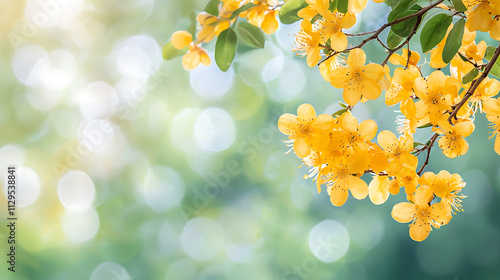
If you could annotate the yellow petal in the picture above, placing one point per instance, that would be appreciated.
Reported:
(440, 213)
(423, 195)
(358, 163)
(181, 39)
(307, 13)
(306, 112)
(191, 60)
(270, 23)
(323, 121)
(348, 122)
(386, 138)
(358, 187)
(420, 229)
(371, 89)
(339, 77)
(356, 6)
(313, 57)
(440, 186)
(426, 178)
(373, 71)
(495, 29)
(464, 129)
(368, 129)
(301, 148)
(338, 194)
(497, 144)
(288, 124)
(348, 20)
(403, 212)
(379, 189)
(338, 41)
(356, 58)
(351, 95)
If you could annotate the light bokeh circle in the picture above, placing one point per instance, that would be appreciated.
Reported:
(76, 190)
(214, 130)
(329, 241)
(202, 238)
(110, 271)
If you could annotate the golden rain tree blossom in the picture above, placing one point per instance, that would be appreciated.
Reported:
(452, 140)
(305, 130)
(308, 41)
(436, 94)
(332, 24)
(398, 151)
(195, 55)
(447, 187)
(421, 213)
(358, 79)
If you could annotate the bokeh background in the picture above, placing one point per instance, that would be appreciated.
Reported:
(132, 168)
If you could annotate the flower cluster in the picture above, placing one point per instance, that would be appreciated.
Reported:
(337, 148)
(259, 13)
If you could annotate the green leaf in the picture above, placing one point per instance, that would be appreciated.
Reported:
(212, 7)
(342, 6)
(251, 35)
(393, 40)
(454, 41)
(404, 28)
(416, 144)
(490, 50)
(495, 70)
(288, 12)
(241, 9)
(342, 104)
(470, 76)
(333, 5)
(402, 6)
(459, 5)
(169, 52)
(434, 31)
(225, 49)
(391, 3)
(463, 57)
(339, 113)
(425, 125)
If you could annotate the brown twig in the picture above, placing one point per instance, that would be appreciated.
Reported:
(475, 83)
(428, 148)
(377, 32)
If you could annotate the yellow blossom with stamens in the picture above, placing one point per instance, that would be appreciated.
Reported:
(330, 64)
(263, 15)
(340, 179)
(354, 136)
(491, 107)
(398, 151)
(306, 130)
(479, 14)
(358, 79)
(447, 187)
(332, 24)
(421, 213)
(308, 41)
(317, 161)
(402, 85)
(436, 95)
(452, 140)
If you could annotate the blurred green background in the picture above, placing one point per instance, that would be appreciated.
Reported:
(131, 167)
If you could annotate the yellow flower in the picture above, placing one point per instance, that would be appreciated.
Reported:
(358, 79)
(421, 213)
(354, 136)
(195, 55)
(378, 190)
(408, 178)
(436, 95)
(402, 60)
(263, 16)
(305, 130)
(447, 187)
(332, 24)
(402, 85)
(480, 14)
(492, 109)
(452, 140)
(486, 89)
(340, 179)
(398, 151)
(314, 7)
(356, 6)
(308, 41)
